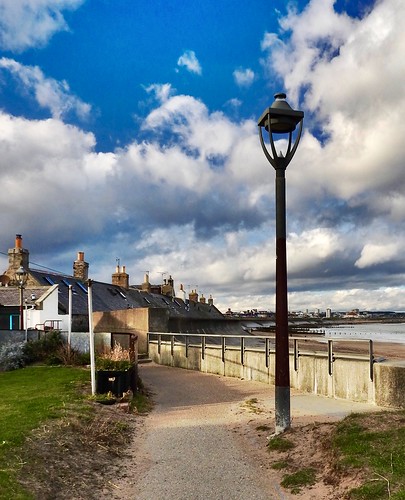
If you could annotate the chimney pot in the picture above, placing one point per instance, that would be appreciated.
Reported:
(18, 241)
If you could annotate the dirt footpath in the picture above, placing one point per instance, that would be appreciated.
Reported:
(206, 438)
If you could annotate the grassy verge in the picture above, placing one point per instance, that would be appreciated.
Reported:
(28, 397)
(360, 457)
(376, 444)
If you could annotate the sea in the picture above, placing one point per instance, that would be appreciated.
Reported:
(381, 332)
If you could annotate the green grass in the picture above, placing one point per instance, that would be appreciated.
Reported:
(280, 443)
(142, 403)
(28, 397)
(299, 479)
(375, 444)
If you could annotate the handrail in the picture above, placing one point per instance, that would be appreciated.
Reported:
(331, 354)
(49, 324)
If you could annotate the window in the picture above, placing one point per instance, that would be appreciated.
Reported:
(81, 286)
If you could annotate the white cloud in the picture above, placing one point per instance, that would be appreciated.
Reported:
(49, 93)
(190, 62)
(379, 253)
(162, 92)
(244, 77)
(197, 198)
(31, 23)
(53, 172)
(353, 73)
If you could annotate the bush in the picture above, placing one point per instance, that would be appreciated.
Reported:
(12, 356)
(52, 349)
(44, 350)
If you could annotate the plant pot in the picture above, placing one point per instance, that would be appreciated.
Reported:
(115, 381)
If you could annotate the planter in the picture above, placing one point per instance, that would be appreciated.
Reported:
(115, 381)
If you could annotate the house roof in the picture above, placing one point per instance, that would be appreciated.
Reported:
(108, 297)
(10, 296)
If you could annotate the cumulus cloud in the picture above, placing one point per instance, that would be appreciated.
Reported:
(196, 197)
(161, 91)
(53, 171)
(349, 73)
(244, 77)
(31, 23)
(190, 62)
(49, 93)
(373, 254)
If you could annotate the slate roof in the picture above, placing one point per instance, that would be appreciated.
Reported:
(10, 296)
(108, 297)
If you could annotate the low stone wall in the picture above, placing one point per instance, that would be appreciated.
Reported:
(350, 378)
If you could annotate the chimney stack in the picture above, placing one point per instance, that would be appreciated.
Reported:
(146, 287)
(17, 256)
(120, 278)
(80, 267)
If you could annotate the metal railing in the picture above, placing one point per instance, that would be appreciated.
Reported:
(49, 324)
(263, 343)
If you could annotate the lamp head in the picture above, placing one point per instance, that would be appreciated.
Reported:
(283, 119)
(21, 275)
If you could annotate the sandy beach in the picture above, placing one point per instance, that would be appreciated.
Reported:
(389, 350)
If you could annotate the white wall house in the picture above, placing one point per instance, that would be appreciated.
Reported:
(44, 314)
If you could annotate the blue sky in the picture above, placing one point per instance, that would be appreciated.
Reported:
(128, 131)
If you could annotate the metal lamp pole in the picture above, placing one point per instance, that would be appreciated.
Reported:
(280, 118)
(21, 278)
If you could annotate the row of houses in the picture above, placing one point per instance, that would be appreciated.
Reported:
(33, 299)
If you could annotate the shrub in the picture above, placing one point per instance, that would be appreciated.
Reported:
(45, 349)
(12, 356)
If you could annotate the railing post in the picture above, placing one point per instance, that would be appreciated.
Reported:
(330, 356)
(242, 351)
(296, 355)
(223, 345)
(172, 346)
(186, 338)
(159, 343)
(203, 347)
(267, 352)
(371, 357)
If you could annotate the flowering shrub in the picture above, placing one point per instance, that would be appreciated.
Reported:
(12, 356)
(117, 358)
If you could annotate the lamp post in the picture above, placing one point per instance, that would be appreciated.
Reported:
(21, 278)
(280, 118)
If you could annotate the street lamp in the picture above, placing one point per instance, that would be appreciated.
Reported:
(21, 278)
(280, 118)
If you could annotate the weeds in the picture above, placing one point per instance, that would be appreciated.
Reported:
(299, 479)
(279, 443)
(251, 405)
(117, 358)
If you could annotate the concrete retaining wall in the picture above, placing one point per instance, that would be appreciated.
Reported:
(350, 378)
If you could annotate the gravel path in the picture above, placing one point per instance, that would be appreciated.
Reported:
(192, 447)
(202, 441)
